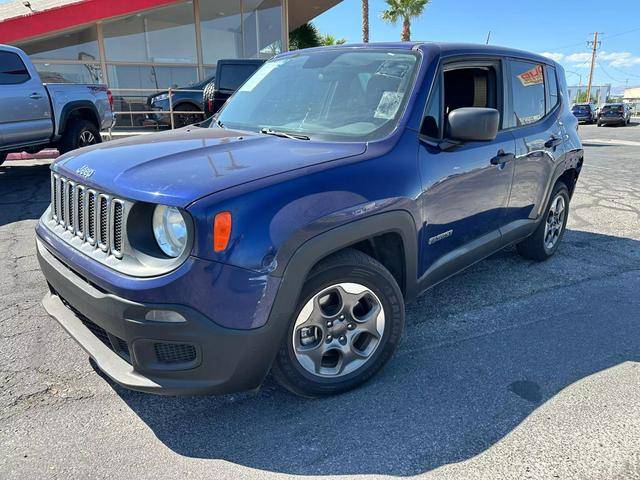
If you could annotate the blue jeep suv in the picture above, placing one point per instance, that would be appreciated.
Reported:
(287, 236)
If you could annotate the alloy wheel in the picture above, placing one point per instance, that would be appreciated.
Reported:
(86, 138)
(338, 330)
(555, 222)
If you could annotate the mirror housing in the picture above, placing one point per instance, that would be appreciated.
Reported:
(473, 124)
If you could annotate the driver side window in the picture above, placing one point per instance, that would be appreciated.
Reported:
(459, 86)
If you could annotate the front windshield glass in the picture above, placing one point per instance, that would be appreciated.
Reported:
(333, 94)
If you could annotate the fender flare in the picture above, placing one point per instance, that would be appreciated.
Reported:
(186, 101)
(71, 107)
(326, 243)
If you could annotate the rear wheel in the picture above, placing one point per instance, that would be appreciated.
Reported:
(79, 133)
(3, 157)
(544, 242)
(189, 115)
(348, 323)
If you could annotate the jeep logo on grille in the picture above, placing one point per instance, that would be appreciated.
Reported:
(85, 171)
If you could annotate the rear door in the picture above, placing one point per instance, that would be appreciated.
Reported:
(25, 116)
(533, 119)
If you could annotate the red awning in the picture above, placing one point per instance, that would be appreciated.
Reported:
(68, 15)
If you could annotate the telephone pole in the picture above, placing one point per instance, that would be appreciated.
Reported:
(594, 44)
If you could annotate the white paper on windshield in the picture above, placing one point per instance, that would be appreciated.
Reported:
(388, 106)
(260, 75)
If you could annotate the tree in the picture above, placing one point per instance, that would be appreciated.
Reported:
(305, 36)
(581, 97)
(405, 10)
(365, 21)
(329, 39)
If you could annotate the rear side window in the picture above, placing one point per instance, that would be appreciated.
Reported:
(12, 70)
(232, 76)
(527, 88)
(552, 89)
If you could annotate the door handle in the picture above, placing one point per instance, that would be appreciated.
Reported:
(553, 142)
(35, 96)
(502, 157)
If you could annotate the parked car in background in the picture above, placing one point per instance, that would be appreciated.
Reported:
(336, 185)
(186, 102)
(585, 112)
(614, 114)
(230, 74)
(34, 116)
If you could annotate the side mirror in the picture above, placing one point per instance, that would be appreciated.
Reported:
(473, 124)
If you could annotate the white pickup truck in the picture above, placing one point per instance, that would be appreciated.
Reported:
(34, 116)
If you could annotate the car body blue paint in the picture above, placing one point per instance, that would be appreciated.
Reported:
(283, 192)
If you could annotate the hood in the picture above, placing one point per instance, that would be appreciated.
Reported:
(181, 166)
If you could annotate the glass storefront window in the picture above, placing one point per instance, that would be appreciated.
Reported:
(221, 25)
(165, 35)
(262, 28)
(78, 45)
(132, 84)
(70, 73)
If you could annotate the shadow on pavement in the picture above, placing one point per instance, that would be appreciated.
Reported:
(450, 393)
(24, 191)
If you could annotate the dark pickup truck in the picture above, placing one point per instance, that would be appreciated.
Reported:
(335, 186)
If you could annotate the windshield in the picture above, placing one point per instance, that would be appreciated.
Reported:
(333, 94)
(612, 108)
(581, 107)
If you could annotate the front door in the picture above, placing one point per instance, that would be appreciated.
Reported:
(25, 116)
(465, 188)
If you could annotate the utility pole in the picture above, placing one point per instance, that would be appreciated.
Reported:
(488, 38)
(594, 44)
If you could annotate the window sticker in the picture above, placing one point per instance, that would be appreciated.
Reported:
(531, 77)
(260, 75)
(388, 106)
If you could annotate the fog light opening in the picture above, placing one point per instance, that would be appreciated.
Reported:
(167, 316)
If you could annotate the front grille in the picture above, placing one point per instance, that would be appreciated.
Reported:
(96, 217)
(171, 353)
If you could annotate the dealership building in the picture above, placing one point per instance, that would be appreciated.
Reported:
(138, 47)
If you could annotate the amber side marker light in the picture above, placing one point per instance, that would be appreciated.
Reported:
(221, 231)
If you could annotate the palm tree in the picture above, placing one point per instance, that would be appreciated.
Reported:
(328, 39)
(305, 36)
(405, 10)
(365, 21)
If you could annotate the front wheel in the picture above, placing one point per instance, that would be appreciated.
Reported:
(347, 324)
(545, 240)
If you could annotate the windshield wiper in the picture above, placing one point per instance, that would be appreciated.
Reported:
(295, 136)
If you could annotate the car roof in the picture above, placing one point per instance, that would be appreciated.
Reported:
(446, 48)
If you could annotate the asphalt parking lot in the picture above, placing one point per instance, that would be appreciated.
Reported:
(512, 369)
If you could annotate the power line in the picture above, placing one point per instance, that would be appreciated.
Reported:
(607, 73)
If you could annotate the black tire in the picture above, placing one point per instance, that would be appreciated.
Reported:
(535, 247)
(599, 124)
(79, 133)
(207, 98)
(3, 157)
(183, 119)
(347, 266)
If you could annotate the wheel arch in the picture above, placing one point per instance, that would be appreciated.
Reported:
(78, 109)
(393, 226)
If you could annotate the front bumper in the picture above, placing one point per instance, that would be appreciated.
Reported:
(197, 356)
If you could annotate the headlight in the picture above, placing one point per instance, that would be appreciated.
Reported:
(170, 230)
(161, 97)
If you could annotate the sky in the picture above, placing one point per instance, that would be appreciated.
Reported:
(556, 28)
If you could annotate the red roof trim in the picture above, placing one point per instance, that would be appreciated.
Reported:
(69, 16)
